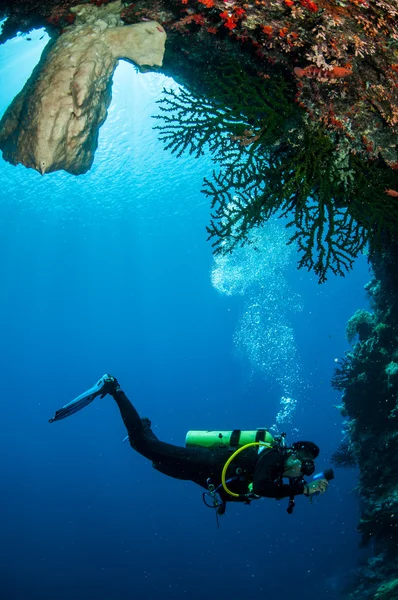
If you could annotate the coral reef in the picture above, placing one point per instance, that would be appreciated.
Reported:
(342, 54)
(368, 377)
(361, 325)
(387, 591)
(53, 123)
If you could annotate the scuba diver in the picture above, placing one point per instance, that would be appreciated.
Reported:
(237, 466)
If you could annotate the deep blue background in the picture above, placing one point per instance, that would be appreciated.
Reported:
(110, 272)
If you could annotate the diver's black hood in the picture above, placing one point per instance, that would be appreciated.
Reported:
(308, 446)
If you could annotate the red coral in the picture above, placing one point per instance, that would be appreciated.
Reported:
(198, 19)
(60, 17)
(229, 21)
(267, 29)
(70, 18)
(207, 3)
(310, 5)
(239, 12)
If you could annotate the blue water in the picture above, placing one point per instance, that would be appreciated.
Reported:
(111, 272)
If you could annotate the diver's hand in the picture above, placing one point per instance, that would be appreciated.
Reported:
(110, 385)
(316, 487)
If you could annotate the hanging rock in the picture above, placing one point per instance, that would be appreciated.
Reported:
(53, 123)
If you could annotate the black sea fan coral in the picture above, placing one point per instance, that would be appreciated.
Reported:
(344, 456)
(273, 161)
(342, 374)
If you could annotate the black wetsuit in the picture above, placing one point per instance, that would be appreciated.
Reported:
(265, 470)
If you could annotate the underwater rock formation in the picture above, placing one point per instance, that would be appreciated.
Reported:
(368, 377)
(53, 122)
(305, 153)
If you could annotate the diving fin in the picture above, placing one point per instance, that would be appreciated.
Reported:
(83, 400)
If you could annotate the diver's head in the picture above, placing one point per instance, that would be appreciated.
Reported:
(300, 460)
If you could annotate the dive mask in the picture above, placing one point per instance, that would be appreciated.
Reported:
(307, 467)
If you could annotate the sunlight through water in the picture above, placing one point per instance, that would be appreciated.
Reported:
(130, 157)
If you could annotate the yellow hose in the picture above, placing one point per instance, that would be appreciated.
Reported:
(231, 458)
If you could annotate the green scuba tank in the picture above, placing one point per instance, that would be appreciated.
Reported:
(227, 439)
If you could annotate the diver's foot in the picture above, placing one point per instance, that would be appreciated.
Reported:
(110, 385)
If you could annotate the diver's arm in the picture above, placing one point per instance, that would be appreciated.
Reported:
(272, 489)
(266, 479)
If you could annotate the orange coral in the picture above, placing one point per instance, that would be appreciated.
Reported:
(267, 29)
(196, 18)
(207, 3)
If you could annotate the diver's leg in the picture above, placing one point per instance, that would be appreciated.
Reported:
(130, 416)
(179, 462)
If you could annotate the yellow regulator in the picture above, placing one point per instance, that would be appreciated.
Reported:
(227, 439)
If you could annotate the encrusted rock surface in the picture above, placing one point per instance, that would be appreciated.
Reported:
(368, 376)
(53, 122)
